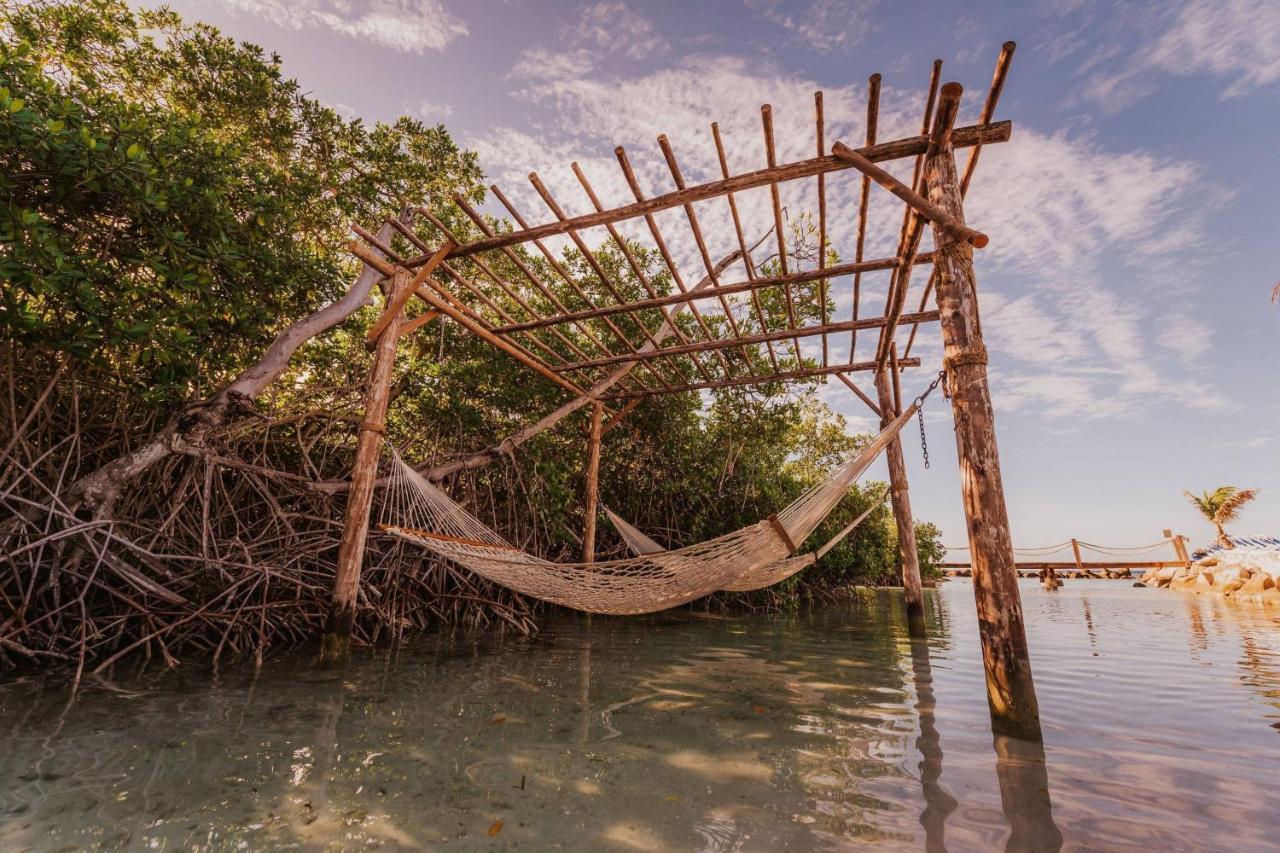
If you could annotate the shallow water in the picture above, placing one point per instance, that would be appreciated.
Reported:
(821, 730)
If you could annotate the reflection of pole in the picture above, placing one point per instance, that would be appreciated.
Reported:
(938, 803)
(1088, 622)
(584, 687)
(1024, 795)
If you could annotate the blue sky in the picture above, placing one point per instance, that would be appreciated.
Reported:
(1133, 216)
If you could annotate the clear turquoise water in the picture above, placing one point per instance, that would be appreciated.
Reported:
(819, 731)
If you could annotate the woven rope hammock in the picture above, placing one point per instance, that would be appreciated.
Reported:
(750, 558)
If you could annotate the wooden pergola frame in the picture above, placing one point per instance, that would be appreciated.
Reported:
(584, 332)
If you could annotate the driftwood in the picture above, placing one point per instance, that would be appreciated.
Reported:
(100, 490)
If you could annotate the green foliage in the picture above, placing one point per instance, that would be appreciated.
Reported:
(929, 545)
(172, 201)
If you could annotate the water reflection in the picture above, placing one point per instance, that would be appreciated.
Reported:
(938, 802)
(1024, 794)
(816, 730)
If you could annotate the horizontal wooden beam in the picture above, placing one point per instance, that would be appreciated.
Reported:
(713, 292)
(914, 200)
(1072, 566)
(985, 134)
(807, 373)
(744, 340)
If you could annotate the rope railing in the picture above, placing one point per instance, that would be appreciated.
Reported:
(1116, 550)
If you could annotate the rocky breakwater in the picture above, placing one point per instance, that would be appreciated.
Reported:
(1244, 574)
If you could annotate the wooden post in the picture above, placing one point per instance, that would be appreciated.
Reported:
(1010, 689)
(593, 483)
(1179, 543)
(355, 530)
(1075, 548)
(907, 552)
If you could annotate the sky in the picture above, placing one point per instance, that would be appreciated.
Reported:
(1133, 215)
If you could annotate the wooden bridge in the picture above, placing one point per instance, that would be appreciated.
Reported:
(1122, 567)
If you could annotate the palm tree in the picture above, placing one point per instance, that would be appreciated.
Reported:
(1220, 506)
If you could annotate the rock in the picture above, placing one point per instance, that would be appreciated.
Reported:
(1149, 576)
(1260, 582)
(1230, 586)
(1168, 571)
(1209, 562)
(1183, 582)
(1255, 587)
(1271, 596)
(1204, 581)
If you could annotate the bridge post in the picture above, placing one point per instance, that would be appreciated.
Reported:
(1010, 689)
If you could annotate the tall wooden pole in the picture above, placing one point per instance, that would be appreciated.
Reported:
(907, 551)
(355, 530)
(1010, 689)
(593, 483)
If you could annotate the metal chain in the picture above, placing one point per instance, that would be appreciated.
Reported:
(919, 404)
(924, 442)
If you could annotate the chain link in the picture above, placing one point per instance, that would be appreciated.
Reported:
(919, 404)
(924, 442)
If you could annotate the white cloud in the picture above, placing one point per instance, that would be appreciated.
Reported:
(616, 28)
(429, 111)
(409, 26)
(1122, 49)
(1085, 234)
(1237, 39)
(824, 25)
(1072, 337)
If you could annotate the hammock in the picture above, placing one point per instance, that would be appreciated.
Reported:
(754, 556)
(764, 576)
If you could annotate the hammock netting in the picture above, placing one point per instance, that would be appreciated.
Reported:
(750, 558)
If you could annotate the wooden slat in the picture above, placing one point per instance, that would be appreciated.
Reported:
(989, 108)
(873, 117)
(590, 257)
(629, 174)
(998, 78)
(736, 287)
(897, 149)
(807, 373)
(820, 134)
(691, 215)
(747, 262)
(538, 285)
(775, 335)
(637, 268)
(779, 232)
(913, 223)
(560, 269)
